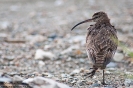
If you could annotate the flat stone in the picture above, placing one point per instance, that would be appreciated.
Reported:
(41, 82)
(43, 55)
(118, 57)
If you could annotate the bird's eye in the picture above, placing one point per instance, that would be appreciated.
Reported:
(95, 17)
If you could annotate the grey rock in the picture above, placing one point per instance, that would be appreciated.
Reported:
(82, 82)
(64, 75)
(10, 58)
(43, 55)
(48, 75)
(41, 64)
(52, 36)
(118, 57)
(82, 60)
(4, 25)
(5, 79)
(17, 78)
(68, 50)
(111, 65)
(41, 82)
(3, 36)
(78, 38)
(127, 82)
(59, 2)
(35, 38)
(95, 85)
(76, 71)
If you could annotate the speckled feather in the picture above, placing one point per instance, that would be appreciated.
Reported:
(101, 43)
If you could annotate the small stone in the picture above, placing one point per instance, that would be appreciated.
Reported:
(95, 85)
(73, 82)
(41, 82)
(68, 50)
(50, 76)
(46, 47)
(35, 38)
(78, 38)
(76, 71)
(41, 63)
(59, 2)
(111, 64)
(81, 82)
(118, 57)
(52, 36)
(10, 58)
(4, 79)
(127, 82)
(4, 25)
(64, 75)
(17, 78)
(47, 75)
(82, 70)
(43, 55)
(82, 60)
(89, 82)
(3, 36)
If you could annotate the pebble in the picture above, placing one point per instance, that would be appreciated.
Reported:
(111, 65)
(3, 36)
(82, 60)
(35, 38)
(59, 2)
(78, 38)
(43, 55)
(17, 78)
(95, 85)
(81, 82)
(4, 79)
(127, 82)
(47, 75)
(41, 82)
(64, 75)
(70, 49)
(52, 36)
(4, 24)
(10, 58)
(118, 57)
(76, 71)
(89, 82)
(41, 64)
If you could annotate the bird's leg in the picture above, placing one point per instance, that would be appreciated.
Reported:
(92, 73)
(103, 79)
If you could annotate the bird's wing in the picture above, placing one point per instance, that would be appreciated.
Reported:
(112, 44)
(90, 43)
(101, 44)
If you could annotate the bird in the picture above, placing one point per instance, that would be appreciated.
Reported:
(101, 42)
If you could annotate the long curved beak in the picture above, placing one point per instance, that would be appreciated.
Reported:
(88, 20)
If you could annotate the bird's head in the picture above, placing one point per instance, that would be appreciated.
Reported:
(97, 17)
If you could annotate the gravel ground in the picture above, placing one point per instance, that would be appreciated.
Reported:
(35, 40)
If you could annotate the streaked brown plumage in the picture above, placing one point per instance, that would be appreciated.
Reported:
(101, 41)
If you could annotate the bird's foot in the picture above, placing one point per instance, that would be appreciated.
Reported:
(103, 83)
(91, 74)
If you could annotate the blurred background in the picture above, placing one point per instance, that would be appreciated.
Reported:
(35, 38)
